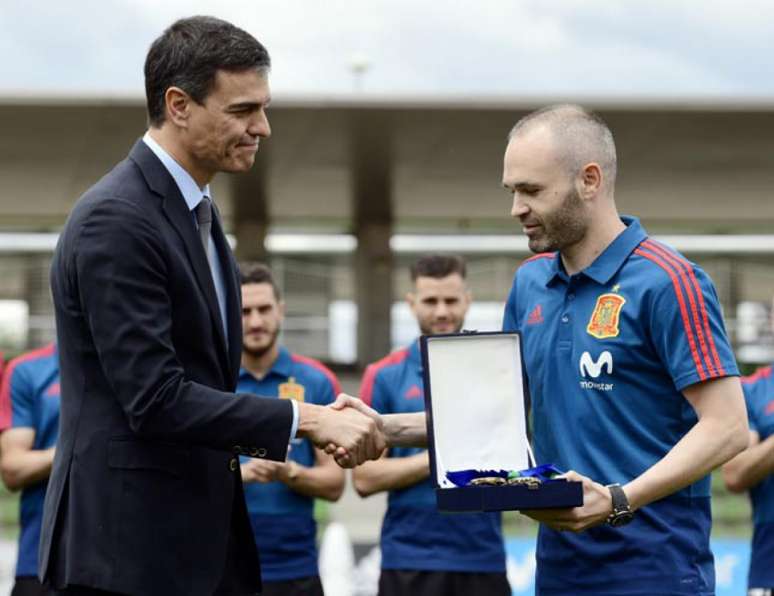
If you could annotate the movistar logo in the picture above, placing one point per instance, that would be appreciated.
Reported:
(591, 368)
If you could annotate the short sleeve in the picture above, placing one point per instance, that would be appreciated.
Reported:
(510, 318)
(751, 401)
(17, 400)
(687, 327)
(373, 392)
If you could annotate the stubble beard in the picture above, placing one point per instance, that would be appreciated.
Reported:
(564, 227)
(259, 352)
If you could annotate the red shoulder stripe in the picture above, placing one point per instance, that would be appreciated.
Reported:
(6, 409)
(367, 385)
(762, 373)
(542, 255)
(316, 364)
(712, 358)
(679, 267)
(683, 308)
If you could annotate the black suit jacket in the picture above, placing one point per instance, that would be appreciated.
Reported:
(145, 497)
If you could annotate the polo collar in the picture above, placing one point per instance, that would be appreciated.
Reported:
(607, 264)
(282, 366)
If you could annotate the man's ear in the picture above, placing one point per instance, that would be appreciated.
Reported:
(590, 180)
(281, 310)
(178, 106)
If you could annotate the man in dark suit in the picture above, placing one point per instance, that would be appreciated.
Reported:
(145, 497)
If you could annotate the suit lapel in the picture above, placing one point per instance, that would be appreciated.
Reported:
(176, 210)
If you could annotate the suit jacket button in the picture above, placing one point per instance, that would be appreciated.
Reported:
(233, 464)
(262, 452)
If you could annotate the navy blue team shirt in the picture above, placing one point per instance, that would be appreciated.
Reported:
(607, 353)
(282, 519)
(759, 396)
(29, 398)
(414, 534)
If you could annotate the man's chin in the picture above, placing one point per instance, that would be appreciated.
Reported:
(256, 351)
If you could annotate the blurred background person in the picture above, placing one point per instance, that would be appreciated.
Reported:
(751, 471)
(424, 551)
(29, 422)
(280, 495)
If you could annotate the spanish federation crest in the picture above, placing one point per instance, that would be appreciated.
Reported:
(291, 390)
(605, 318)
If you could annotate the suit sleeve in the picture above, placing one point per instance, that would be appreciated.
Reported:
(120, 271)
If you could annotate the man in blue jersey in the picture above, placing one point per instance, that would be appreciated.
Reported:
(423, 551)
(633, 385)
(752, 470)
(632, 380)
(280, 495)
(29, 418)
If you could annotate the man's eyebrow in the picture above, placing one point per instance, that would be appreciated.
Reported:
(249, 105)
(522, 185)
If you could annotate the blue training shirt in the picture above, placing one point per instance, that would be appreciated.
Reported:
(282, 519)
(414, 534)
(759, 396)
(607, 353)
(29, 398)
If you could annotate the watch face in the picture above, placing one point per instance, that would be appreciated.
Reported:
(621, 519)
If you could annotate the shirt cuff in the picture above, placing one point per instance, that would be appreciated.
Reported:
(294, 427)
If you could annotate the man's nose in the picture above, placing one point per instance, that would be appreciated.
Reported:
(519, 207)
(441, 310)
(259, 125)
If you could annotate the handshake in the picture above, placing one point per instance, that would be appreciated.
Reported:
(353, 433)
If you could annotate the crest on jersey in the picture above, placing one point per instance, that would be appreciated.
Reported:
(291, 390)
(606, 316)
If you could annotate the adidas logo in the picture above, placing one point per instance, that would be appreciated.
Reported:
(536, 316)
(414, 392)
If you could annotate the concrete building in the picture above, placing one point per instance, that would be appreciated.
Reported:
(383, 180)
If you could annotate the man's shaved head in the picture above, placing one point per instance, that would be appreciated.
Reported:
(580, 136)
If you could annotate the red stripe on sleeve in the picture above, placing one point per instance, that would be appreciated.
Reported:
(369, 378)
(761, 373)
(683, 268)
(316, 364)
(5, 399)
(683, 308)
(705, 317)
(367, 384)
(6, 408)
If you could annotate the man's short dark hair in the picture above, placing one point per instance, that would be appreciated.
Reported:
(189, 54)
(438, 266)
(258, 273)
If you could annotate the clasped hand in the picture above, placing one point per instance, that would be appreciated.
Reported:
(350, 431)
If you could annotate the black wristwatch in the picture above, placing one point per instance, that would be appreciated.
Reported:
(622, 512)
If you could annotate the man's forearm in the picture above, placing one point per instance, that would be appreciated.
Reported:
(390, 473)
(319, 482)
(751, 466)
(22, 469)
(709, 444)
(405, 430)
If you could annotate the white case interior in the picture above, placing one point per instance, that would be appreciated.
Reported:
(477, 396)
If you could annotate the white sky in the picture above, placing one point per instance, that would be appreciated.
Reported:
(547, 48)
